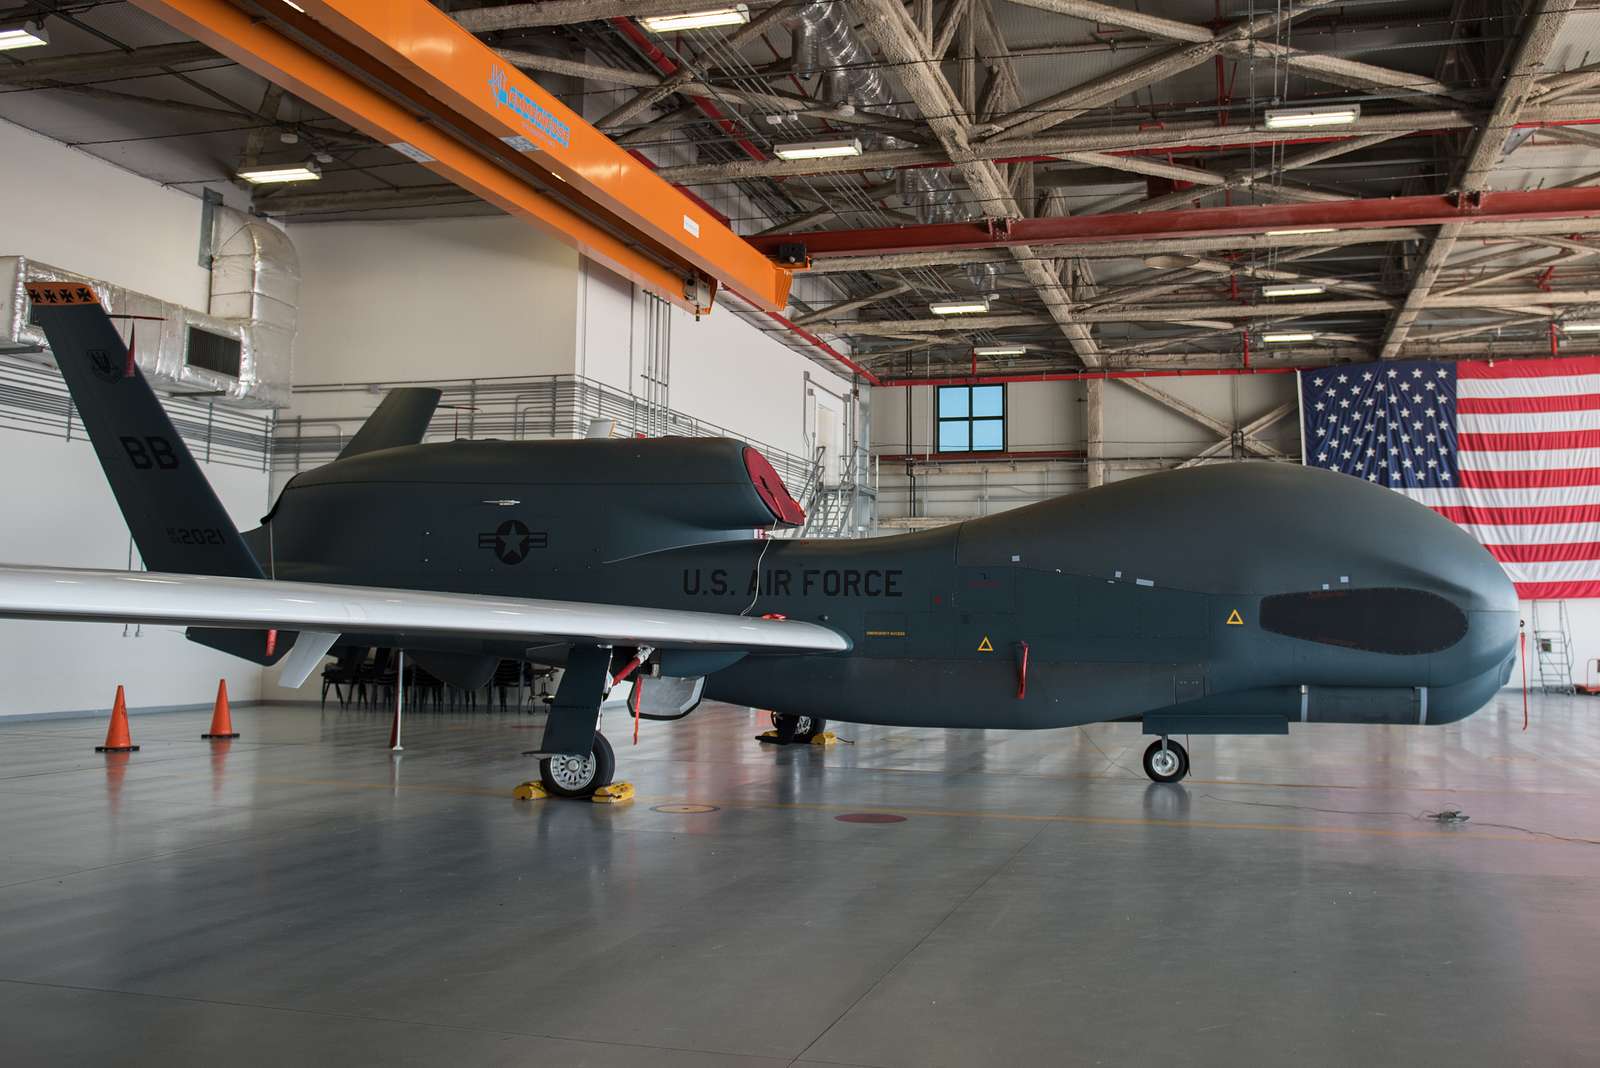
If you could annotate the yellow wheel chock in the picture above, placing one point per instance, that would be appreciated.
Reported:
(614, 794)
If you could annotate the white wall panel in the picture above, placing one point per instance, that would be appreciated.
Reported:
(433, 298)
(72, 211)
(81, 214)
(62, 513)
(724, 370)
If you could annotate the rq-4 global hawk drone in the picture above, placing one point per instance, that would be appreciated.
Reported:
(1231, 599)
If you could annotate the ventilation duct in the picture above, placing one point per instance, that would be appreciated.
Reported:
(240, 348)
(825, 43)
(255, 282)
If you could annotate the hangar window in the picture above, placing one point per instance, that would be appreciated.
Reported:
(972, 419)
(1398, 621)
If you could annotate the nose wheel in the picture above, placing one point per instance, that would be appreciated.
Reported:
(1166, 761)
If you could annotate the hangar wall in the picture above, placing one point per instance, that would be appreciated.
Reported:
(413, 300)
(74, 211)
(1141, 435)
(79, 213)
(432, 298)
(723, 370)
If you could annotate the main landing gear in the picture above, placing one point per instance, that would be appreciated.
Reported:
(575, 760)
(567, 775)
(792, 728)
(1166, 760)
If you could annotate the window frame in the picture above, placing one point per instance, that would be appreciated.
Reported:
(969, 419)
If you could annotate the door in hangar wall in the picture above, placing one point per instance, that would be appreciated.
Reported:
(828, 424)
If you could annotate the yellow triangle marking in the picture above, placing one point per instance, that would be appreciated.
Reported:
(1235, 619)
(984, 646)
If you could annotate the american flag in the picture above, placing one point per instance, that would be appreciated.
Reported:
(1509, 450)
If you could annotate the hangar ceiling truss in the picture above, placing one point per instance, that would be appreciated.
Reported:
(1050, 128)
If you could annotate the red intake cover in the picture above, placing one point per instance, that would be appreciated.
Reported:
(784, 508)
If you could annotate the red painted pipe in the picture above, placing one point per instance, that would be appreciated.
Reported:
(663, 63)
(1078, 376)
(816, 342)
(1509, 206)
(961, 457)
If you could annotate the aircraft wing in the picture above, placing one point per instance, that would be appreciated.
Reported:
(83, 595)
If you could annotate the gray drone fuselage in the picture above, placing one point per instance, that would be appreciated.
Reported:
(1234, 598)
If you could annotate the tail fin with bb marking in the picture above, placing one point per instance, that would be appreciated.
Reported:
(174, 515)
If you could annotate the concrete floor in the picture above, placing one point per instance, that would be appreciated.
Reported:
(301, 896)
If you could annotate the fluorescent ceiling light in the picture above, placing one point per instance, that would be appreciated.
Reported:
(819, 149)
(1293, 289)
(999, 350)
(1297, 233)
(1299, 118)
(1279, 339)
(960, 307)
(28, 35)
(730, 15)
(291, 172)
(1589, 327)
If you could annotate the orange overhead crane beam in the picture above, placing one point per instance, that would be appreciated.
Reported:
(405, 73)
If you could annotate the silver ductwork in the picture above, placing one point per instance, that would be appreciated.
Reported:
(255, 282)
(825, 44)
(250, 325)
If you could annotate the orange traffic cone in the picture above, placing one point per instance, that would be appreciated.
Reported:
(117, 739)
(221, 719)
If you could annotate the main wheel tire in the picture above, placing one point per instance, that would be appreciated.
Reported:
(1169, 764)
(567, 776)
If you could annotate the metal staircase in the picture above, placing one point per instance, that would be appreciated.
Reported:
(845, 508)
(831, 510)
(1552, 645)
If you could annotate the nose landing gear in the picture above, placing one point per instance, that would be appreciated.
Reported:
(1166, 760)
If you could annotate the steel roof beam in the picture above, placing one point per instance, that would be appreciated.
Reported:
(794, 105)
(750, 31)
(1534, 303)
(1510, 233)
(562, 13)
(1186, 137)
(106, 64)
(1184, 408)
(1539, 35)
(1259, 178)
(1248, 432)
(844, 307)
(900, 40)
(1126, 17)
(1373, 213)
(1200, 45)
